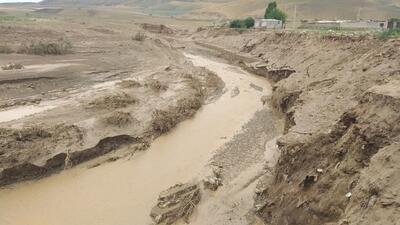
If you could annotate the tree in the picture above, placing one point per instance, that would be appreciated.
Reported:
(394, 20)
(271, 6)
(249, 22)
(246, 23)
(273, 12)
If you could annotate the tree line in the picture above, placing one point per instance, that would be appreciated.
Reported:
(271, 12)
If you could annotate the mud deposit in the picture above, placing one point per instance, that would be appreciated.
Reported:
(123, 192)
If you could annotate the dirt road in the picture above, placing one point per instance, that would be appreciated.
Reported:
(123, 192)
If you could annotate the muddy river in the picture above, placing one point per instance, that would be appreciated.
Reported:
(123, 192)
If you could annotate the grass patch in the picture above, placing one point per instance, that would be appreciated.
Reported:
(164, 120)
(393, 33)
(59, 47)
(113, 101)
(4, 49)
(118, 119)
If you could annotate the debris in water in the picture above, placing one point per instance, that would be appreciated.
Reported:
(309, 180)
(235, 92)
(175, 203)
(264, 99)
(256, 87)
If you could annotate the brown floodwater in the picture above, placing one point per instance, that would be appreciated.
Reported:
(123, 192)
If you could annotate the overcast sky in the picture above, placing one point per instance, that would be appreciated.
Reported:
(8, 1)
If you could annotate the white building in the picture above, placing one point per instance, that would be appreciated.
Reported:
(347, 24)
(394, 25)
(364, 24)
(268, 23)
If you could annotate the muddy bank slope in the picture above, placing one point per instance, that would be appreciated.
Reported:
(139, 90)
(340, 97)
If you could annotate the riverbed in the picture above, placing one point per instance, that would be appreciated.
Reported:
(124, 191)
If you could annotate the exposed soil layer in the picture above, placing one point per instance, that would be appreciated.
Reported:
(340, 101)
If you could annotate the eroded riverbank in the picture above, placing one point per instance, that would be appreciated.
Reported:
(339, 97)
(123, 192)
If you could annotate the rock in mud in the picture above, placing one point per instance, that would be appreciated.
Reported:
(213, 181)
(177, 202)
(308, 181)
(235, 92)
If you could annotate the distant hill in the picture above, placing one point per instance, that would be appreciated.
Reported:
(306, 9)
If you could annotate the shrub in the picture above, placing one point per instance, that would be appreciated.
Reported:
(5, 50)
(165, 120)
(113, 101)
(156, 85)
(13, 66)
(246, 23)
(59, 47)
(118, 119)
(139, 36)
(249, 22)
(393, 33)
(235, 24)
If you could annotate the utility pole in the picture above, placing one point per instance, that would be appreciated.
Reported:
(360, 9)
